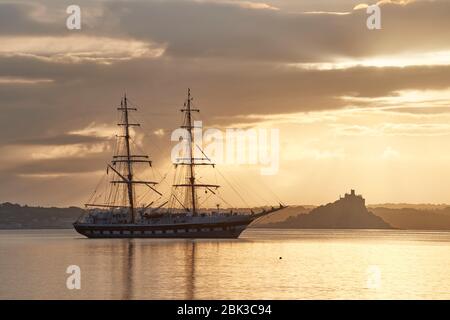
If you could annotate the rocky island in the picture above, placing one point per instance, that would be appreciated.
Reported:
(349, 212)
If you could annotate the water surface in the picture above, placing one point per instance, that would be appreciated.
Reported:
(314, 264)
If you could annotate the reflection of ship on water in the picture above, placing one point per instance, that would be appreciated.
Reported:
(140, 268)
(190, 272)
(181, 215)
(128, 270)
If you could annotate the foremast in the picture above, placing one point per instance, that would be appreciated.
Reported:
(129, 159)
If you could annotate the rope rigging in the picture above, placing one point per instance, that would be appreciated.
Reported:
(184, 193)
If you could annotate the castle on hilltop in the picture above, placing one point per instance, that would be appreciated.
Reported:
(353, 197)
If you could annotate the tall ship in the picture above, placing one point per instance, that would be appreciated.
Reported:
(180, 215)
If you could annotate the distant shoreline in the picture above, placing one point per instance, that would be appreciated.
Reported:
(434, 217)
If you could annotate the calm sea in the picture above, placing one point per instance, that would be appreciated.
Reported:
(262, 264)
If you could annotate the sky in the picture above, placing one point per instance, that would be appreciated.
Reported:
(355, 108)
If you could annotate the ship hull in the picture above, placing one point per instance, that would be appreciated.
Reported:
(218, 231)
(225, 229)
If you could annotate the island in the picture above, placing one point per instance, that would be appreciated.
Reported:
(349, 212)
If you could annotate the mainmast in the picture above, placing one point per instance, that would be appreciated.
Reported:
(127, 125)
(192, 185)
(189, 111)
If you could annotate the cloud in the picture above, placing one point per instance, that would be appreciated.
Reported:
(69, 151)
(441, 58)
(384, 2)
(242, 4)
(395, 129)
(78, 48)
(415, 101)
(102, 130)
(328, 13)
(283, 36)
(23, 80)
(258, 32)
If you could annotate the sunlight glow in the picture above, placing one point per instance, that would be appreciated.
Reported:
(441, 58)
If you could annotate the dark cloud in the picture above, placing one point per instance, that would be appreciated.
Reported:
(206, 29)
(15, 20)
(61, 166)
(221, 29)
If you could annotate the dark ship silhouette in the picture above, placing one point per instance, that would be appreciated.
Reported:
(181, 216)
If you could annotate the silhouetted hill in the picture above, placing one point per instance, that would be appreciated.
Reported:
(417, 206)
(411, 218)
(14, 216)
(282, 215)
(349, 212)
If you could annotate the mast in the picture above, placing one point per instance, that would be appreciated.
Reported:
(191, 154)
(128, 157)
(191, 160)
(124, 173)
